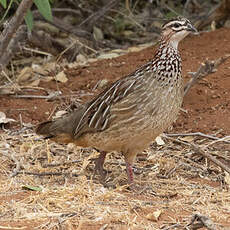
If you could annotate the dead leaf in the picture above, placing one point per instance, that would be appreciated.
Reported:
(39, 69)
(4, 120)
(187, 138)
(135, 49)
(32, 188)
(61, 76)
(34, 83)
(50, 66)
(119, 51)
(108, 56)
(97, 33)
(6, 91)
(88, 160)
(127, 33)
(47, 79)
(159, 141)
(154, 216)
(25, 74)
(213, 26)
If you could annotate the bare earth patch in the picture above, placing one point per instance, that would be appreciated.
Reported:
(175, 183)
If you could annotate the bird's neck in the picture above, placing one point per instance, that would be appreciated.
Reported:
(167, 49)
(168, 41)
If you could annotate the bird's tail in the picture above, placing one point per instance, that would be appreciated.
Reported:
(62, 128)
(59, 130)
(44, 128)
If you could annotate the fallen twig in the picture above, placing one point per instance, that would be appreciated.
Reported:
(201, 135)
(205, 69)
(59, 164)
(210, 157)
(203, 153)
(223, 139)
(51, 96)
(11, 227)
(199, 221)
(48, 173)
(173, 226)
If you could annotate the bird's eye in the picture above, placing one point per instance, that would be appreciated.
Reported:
(176, 25)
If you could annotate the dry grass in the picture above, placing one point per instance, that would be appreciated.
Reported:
(174, 183)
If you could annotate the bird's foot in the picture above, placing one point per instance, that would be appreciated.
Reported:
(99, 162)
(132, 185)
(129, 171)
(98, 169)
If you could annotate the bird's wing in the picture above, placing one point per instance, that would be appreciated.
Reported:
(97, 113)
(97, 116)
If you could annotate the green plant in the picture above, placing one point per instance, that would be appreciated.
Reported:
(42, 5)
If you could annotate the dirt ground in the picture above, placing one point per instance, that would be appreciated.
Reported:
(206, 109)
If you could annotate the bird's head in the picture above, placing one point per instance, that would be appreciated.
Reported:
(176, 29)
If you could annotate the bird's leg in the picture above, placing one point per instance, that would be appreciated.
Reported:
(99, 162)
(129, 170)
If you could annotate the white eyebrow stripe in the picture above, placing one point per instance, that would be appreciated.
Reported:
(182, 23)
(171, 23)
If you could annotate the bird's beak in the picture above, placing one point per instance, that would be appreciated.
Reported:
(192, 29)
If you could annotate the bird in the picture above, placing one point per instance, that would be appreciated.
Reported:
(129, 114)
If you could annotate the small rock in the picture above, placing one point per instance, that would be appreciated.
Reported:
(4, 120)
(61, 76)
(154, 216)
(227, 24)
